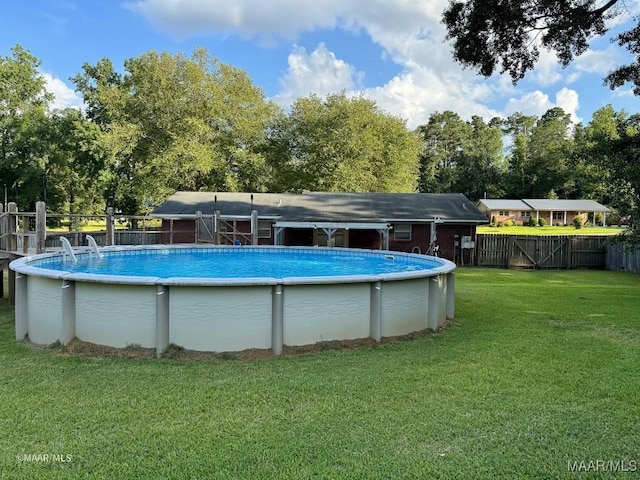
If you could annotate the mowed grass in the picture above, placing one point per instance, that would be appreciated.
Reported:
(549, 230)
(539, 369)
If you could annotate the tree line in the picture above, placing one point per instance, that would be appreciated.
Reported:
(176, 122)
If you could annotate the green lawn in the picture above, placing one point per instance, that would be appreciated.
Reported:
(539, 369)
(549, 230)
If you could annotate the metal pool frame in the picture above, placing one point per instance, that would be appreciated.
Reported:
(228, 314)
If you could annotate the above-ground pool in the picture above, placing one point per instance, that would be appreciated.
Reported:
(229, 298)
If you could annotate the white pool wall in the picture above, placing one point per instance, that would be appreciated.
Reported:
(219, 315)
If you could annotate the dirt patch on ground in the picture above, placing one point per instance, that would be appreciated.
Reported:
(79, 348)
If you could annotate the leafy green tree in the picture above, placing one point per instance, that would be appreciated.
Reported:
(588, 164)
(538, 163)
(490, 35)
(342, 144)
(614, 148)
(624, 168)
(519, 128)
(627, 73)
(446, 137)
(74, 164)
(23, 107)
(481, 165)
(549, 148)
(172, 122)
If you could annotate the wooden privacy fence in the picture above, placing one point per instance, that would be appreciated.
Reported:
(541, 252)
(620, 257)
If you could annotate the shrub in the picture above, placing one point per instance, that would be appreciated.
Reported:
(613, 219)
(532, 222)
(578, 222)
(493, 220)
(542, 222)
(509, 223)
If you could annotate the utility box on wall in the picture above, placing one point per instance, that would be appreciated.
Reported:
(467, 242)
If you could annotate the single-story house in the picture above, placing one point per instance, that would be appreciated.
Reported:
(409, 222)
(554, 212)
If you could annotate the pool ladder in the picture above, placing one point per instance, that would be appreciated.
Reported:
(93, 246)
(66, 247)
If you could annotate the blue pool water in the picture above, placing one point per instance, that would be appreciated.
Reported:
(238, 262)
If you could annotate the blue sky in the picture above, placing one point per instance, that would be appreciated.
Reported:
(389, 50)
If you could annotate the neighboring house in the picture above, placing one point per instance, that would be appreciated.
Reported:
(554, 212)
(396, 221)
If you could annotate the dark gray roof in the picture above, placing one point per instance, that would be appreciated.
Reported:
(326, 207)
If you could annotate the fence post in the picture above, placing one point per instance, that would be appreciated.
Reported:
(3, 229)
(76, 229)
(13, 226)
(254, 227)
(216, 226)
(41, 226)
(198, 220)
(25, 234)
(110, 240)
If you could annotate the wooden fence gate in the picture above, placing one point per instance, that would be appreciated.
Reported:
(541, 252)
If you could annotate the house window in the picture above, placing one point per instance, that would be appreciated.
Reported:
(264, 228)
(402, 232)
(525, 214)
(558, 215)
(503, 213)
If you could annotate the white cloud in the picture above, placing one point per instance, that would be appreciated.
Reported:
(531, 103)
(537, 103)
(318, 72)
(410, 34)
(281, 18)
(626, 93)
(567, 99)
(597, 61)
(412, 95)
(64, 97)
(415, 95)
(547, 69)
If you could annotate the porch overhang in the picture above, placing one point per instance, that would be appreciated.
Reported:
(334, 225)
(331, 228)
